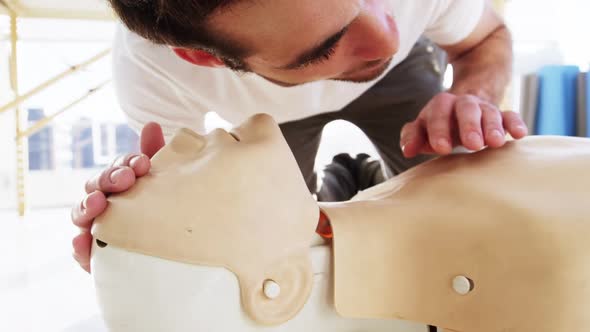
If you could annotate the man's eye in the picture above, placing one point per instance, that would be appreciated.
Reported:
(320, 59)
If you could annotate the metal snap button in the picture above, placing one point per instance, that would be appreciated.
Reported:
(462, 285)
(271, 289)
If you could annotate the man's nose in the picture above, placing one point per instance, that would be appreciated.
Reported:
(376, 37)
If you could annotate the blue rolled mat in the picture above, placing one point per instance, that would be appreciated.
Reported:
(556, 113)
(582, 120)
(529, 100)
(587, 98)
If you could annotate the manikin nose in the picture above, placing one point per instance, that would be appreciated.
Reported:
(256, 127)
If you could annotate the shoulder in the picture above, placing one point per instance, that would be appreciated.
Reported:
(149, 84)
(443, 21)
(427, 13)
(134, 56)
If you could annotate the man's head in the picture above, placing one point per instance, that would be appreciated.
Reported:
(288, 42)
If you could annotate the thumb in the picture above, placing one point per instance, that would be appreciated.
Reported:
(152, 139)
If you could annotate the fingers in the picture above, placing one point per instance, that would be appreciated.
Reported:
(414, 140)
(92, 206)
(439, 123)
(152, 139)
(514, 125)
(493, 129)
(121, 175)
(469, 122)
(82, 245)
(112, 180)
(449, 120)
(140, 163)
(82, 216)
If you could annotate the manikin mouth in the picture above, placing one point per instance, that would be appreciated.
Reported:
(324, 228)
(235, 136)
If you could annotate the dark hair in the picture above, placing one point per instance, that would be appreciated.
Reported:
(180, 23)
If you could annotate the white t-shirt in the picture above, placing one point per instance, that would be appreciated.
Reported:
(153, 84)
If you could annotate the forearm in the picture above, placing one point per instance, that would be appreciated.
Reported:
(486, 69)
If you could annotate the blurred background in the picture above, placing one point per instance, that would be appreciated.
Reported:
(73, 127)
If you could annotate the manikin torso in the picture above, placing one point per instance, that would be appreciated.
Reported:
(221, 237)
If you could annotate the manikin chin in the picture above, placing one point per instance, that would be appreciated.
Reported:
(221, 236)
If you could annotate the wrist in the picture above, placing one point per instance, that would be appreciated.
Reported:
(482, 94)
(489, 89)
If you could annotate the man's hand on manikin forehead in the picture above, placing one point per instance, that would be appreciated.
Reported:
(449, 121)
(119, 177)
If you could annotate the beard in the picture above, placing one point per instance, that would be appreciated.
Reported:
(367, 73)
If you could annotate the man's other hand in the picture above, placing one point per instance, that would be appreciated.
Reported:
(448, 121)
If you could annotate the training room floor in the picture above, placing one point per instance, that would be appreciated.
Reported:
(41, 286)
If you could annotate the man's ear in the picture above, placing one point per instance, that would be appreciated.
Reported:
(198, 57)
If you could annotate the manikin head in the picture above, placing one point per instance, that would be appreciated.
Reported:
(287, 42)
(205, 241)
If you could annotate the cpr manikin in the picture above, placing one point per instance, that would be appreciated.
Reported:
(221, 236)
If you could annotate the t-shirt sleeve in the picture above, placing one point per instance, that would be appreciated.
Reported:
(145, 96)
(453, 20)
(142, 104)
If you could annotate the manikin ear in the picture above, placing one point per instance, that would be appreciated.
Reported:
(198, 57)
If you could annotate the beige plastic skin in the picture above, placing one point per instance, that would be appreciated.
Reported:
(231, 226)
(515, 221)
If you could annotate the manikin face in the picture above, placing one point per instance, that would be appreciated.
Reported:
(192, 244)
(293, 42)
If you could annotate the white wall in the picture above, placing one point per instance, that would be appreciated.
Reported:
(61, 188)
(47, 48)
(7, 147)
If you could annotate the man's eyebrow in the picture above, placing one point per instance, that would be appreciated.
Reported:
(317, 51)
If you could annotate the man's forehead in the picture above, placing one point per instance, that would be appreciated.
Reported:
(275, 29)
